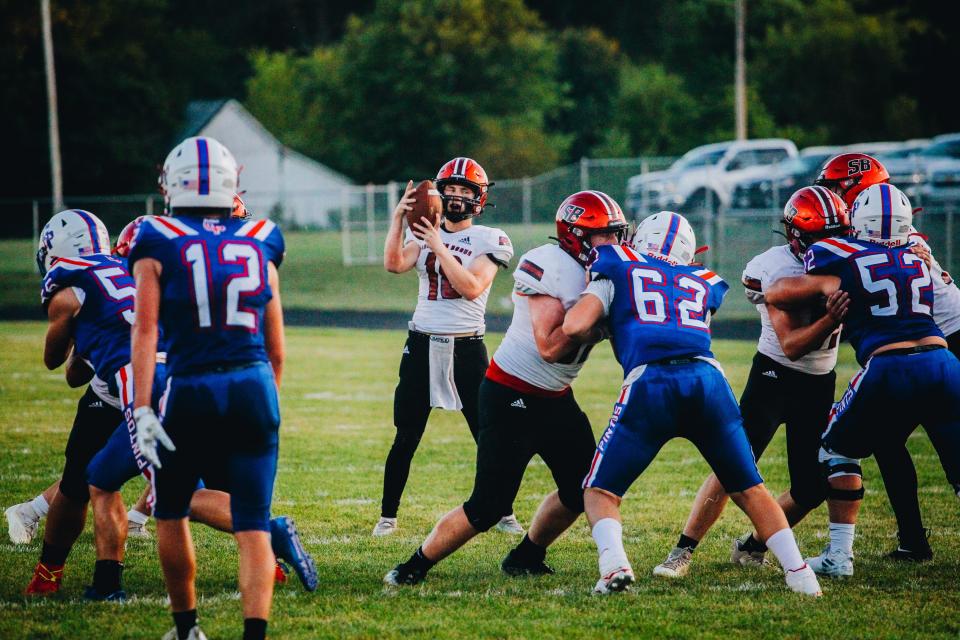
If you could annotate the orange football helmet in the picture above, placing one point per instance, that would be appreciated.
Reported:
(850, 173)
(584, 214)
(469, 173)
(811, 214)
(124, 240)
(239, 209)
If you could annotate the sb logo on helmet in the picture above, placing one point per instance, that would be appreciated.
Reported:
(790, 215)
(858, 165)
(572, 213)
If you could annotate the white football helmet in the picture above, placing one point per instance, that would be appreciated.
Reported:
(199, 172)
(71, 234)
(666, 235)
(882, 214)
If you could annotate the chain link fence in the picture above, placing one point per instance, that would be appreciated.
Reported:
(361, 214)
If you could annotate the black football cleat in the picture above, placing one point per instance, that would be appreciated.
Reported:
(402, 575)
(912, 551)
(515, 565)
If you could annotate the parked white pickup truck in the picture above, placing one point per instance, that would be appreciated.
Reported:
(705, 176)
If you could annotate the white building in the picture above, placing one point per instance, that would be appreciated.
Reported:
(275, 177)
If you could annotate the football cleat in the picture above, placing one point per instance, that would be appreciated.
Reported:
(384, 527)
(832, 563)
(138, 530)
(743, 558)
(46, 580)
(513, 565)
(90, 593)
(22, 523)
(195, 634)
(676, 565)
(280, 572)
(615, 581)
(402, 575)
(509, 524)
(912, 552)
(804, 580)
(287, 546)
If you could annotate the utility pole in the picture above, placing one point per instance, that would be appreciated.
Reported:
(54, 125)
(740, 74)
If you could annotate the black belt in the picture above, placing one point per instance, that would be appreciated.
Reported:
(677, 360)
(906, 351)
(427, 336)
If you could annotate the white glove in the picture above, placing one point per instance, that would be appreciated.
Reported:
(149, 432)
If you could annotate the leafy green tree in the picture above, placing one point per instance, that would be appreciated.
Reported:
(416, 82)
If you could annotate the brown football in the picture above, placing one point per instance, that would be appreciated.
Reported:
(428, 204)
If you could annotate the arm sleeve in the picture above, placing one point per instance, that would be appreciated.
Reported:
(603, 289)
(275, 247)
(498, 247)
(531, 279)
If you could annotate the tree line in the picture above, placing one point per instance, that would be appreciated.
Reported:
(386, 89)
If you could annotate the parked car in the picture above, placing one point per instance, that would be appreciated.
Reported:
(705, 176)
(913, 172)
(773, 191)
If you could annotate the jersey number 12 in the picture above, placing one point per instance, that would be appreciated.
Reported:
(238, 286)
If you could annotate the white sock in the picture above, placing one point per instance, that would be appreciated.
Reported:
(40, 506)
(136, 517)
(841, 537)
(608, 534)
(784, 546)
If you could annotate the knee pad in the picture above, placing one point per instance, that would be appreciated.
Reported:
(848, 495)
(482, 516)
(572, 499)
(836, 465)
(406, 441)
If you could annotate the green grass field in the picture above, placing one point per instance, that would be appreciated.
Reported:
(314, 277)
(337, 400)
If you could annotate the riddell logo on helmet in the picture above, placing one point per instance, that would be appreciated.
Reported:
(858, 165)
(572, 213)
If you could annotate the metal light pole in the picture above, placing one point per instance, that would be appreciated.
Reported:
(54, 125)
(740, 75)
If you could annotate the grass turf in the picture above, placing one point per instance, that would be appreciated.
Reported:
(315, 278)
(337, 403)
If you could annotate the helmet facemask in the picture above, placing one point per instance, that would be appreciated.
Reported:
(458, 208)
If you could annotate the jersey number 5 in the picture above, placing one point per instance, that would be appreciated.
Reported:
(237, 286)
(885, 286)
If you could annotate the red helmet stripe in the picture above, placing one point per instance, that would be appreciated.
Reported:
(826, 204)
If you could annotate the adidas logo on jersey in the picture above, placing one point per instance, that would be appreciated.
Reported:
(406, 350)
(96, 404)
(518, 403)
(464, 240)
(771, 374)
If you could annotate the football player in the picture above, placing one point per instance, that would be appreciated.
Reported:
(908, 376)
(791, 381)
(212, 282)
(88, 297)
(444, 357)
(526, 405)
(847, 175)
(658, 309)
(120, 461)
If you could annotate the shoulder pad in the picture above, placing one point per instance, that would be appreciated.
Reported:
(497, 244)
(63, 273)
(827, 254)
(269, 234)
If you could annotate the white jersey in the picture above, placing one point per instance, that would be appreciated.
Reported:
(761, 272)
(440, 309)
(547, 270)
(946, 296)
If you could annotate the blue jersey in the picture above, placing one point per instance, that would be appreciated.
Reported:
(657, 310)
(214, 287)
(105, 289)
(891, 292)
